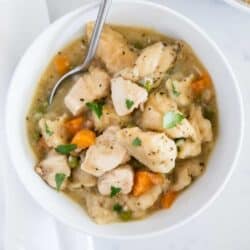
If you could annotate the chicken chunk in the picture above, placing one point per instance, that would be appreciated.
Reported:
(152, 63)
(53, 131)
(155, 60)
(81, 178)
(121, 177)
(52, 165)
(148, 61)
(154, 150)
(106, 154)
(113, 49)
(128, 74)
(185, 172)
(156, 107)
(126, 95)
(144, 201)
(109, 118)
(181, 130)
(91, 86)
(180, 90)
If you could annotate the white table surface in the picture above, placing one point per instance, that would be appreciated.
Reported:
(226, 223)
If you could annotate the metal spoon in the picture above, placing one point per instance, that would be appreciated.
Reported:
(102, 13)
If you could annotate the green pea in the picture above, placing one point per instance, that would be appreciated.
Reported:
(125, 215)
(73, 161)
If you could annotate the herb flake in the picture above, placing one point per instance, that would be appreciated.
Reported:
(65, 149)
(114, 191)
(148, 86)
(171, 119)
(96, 107)
(59, 178)
(47, 130)
(129, 103)
(174, 90)
(124, 215)
(136, 142)
(117, 208)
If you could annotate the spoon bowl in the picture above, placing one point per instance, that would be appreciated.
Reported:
(101, 16)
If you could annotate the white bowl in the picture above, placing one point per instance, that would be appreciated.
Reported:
(240, 4)
(167, 21)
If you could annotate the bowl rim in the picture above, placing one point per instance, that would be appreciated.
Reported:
(239, 4)
(90, 6)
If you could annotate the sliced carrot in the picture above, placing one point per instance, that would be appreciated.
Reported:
(84, 138)
(200, 85)
(61, 63)
(144, 181)
(74, 125)
(168, 199)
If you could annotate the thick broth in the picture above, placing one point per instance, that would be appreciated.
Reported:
(138, 38)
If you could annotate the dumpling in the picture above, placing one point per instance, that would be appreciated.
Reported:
(113, 49)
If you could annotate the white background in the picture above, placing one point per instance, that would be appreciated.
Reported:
(224, 225)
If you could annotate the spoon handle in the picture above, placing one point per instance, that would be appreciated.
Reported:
(94, 41)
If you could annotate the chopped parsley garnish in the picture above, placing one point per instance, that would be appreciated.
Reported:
(136, 142)
(47, 130)
(174, 90)
(117, 208)
(65, 149)
(148, 85)
(59, 178)
(96, 107)
(171, 119)
(124, 215)
(114, 191)
(129, 103)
